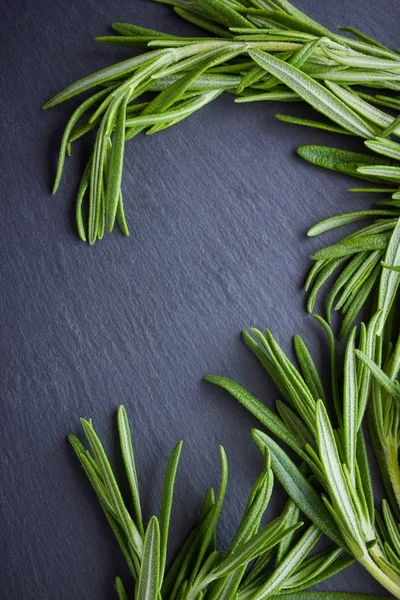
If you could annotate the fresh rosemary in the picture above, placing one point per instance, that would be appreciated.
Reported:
(262, 51)
(369, 259)
(327, 434)
(262, 561)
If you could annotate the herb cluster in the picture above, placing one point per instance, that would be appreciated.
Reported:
(262, 560)
(326, 431)
(260, 51)
(263, 50)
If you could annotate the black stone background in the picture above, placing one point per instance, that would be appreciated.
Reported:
(218, 208)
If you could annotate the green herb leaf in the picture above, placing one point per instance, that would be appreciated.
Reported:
(350, 405)
(267, 538)
(115, 166)
(314, 124)
(129, 462)
(348, 247)
(166, 505)
(119, 588)
(383, 172)
(390, 279)
(330, 158)
(392, 387)
(261, 412)
(385, 147)
(345, 219)
(112, 488)
(103, 76)
(208, 530)
(149, 577)
(221, 12)
(343, 502)
(298, 488)
(314, 93)
(290, 562)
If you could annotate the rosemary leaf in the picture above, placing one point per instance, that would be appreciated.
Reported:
(390, 278)
(362, 62)
(383, 172)
(202, 22)
(129, 462)
(289, 563)
(310, 123)
(149, 578)
(345, 219)
(298, 488)
(119, 588)
(349, 246)
(116, 165)
(362, 107)
(100, 77)
(350, 405)
(166, 505)
(385, 147)
(314, 93)
(392, 387)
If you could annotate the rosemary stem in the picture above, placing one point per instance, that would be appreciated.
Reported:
(380, 576)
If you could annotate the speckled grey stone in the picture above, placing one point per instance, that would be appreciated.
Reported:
(218, 208)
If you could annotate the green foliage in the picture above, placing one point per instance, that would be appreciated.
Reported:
(260, 51)
(338, 497)
(260, 561)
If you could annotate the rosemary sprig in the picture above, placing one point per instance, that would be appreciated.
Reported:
(262, 52)
(262, 561)
(330, 440)
(370, 257)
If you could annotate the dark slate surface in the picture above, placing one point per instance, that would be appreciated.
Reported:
(218, 209)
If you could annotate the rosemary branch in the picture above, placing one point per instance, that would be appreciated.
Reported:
(261, 560)
(328, 437)
(262, 51)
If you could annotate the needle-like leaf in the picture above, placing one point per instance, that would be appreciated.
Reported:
(310, 123)
(392, 387)
(384, 172)
(166, 505)
(101, 77)
(345, 219)
(343, 502)
(129, 462)
(261, 412)
(112, 488)
(208, 531)
(363, 62)
(350, 405)
(330, 158)
(267, 538)
(149, 578)
(116, 165)
(390, 279)
(362, 107)
(289, 563)
(314, 93)
(385, 147)
(350, 246)
(221, 12)
(66, 136)
(297, 486)
(119, 588)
